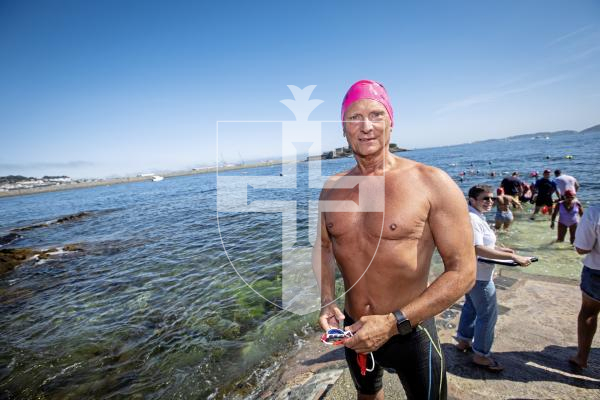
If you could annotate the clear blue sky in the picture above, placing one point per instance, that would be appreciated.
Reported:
(97, 88)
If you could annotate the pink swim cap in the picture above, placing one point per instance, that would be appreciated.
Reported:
(367, 89)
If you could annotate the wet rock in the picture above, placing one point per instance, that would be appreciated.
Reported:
(73, 217)
(73, 247)
(61, 220)
(11, 258)
(7, 239)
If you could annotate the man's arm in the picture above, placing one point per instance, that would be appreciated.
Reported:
(453, 236)
(554, 214)
(324, 264)
(585, 235)
(501, 253)
(515, 203)
(452, 233)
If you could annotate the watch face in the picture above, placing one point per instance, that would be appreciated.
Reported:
(402, 324)
(404, 327)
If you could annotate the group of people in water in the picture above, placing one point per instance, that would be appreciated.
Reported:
(556, 197)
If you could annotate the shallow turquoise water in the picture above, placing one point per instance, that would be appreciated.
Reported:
(152, 308)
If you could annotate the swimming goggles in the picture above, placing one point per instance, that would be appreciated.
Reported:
(335, 336)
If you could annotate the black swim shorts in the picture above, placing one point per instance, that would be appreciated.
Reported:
(544, 201)
(415, 357)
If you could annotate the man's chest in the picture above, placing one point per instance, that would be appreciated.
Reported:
(403, 216)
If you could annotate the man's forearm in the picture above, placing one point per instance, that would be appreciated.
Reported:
(489, 252)
(327, 282)
(441, 294)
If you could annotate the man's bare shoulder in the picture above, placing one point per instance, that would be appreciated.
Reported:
(331, 181)
(424, 173)
(433, 182)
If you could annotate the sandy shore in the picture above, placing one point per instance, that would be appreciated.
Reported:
(535, 335)
(118, 181)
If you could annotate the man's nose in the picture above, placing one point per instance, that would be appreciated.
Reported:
(367, 125)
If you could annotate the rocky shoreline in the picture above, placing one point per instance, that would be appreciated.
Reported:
(11, 258)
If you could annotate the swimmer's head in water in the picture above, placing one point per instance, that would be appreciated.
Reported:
(367, 89)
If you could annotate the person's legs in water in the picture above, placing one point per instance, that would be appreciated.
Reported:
(572, 230)
(587, 322)
(497, 223)
(484, 301)
(535, 211)
(561, 231)
(508, 220)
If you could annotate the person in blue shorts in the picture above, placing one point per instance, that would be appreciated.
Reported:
(587, 241)
(504, 216)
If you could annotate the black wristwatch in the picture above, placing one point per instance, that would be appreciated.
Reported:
(402, 323)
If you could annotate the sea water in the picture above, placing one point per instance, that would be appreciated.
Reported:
(152, 307)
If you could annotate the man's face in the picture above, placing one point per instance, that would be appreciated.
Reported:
(484, 202)
(547, 175)
(367, 127)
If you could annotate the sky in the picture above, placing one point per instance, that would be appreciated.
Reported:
(114, 88)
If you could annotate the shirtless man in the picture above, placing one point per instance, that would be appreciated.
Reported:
(390, 307)
(504, 216)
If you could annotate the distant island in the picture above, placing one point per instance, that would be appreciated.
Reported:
(346, 152)
(543, 135)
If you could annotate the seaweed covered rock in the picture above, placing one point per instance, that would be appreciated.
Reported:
(11, 258)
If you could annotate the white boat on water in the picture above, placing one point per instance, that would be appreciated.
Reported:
(157, 178)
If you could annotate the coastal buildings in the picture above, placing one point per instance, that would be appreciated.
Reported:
(18, 182)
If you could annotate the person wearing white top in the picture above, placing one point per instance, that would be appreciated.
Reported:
(587, 241)
(480, 311)
(565, 182)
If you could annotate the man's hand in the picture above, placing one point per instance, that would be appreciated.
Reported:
(523, 261)
(330, 317)
(371, 332)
